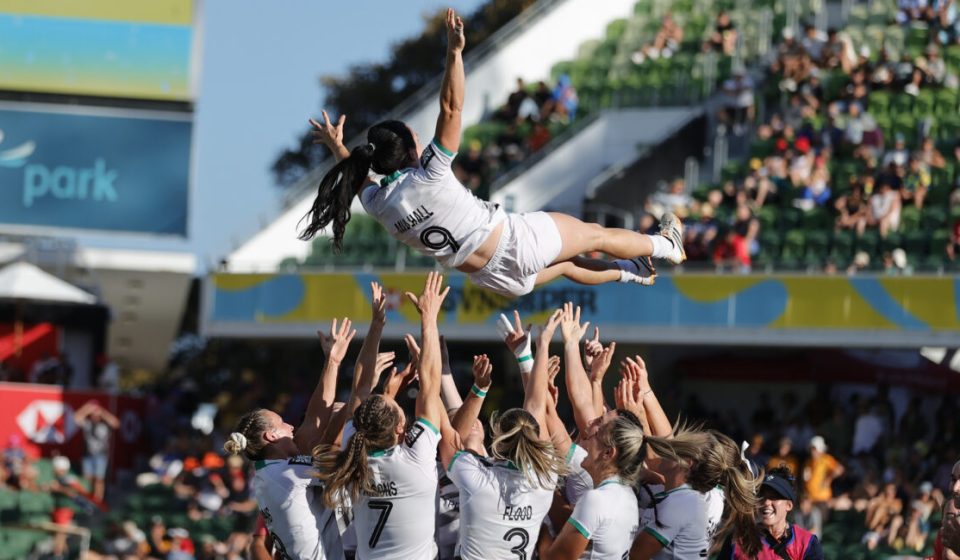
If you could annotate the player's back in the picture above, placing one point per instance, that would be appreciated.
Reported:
(288, 495)
(501, 510)
(397, 522)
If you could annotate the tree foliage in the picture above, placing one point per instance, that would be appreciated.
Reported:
(369, 91)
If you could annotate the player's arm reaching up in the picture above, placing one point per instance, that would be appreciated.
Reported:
(579, 388)
(428, 303)
(453, 86)
(370, 364)
(536, 393)
(319, 408)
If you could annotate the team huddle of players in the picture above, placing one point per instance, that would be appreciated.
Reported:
(357, 480)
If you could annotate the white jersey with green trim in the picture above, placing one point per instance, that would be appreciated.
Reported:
(578, 481)
(681, 524)
(608, 517)
(429, 210)
(501, 511)
(398, 522)
(288, 495)
(713, 501)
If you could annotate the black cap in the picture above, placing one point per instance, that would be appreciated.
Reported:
(780, 485)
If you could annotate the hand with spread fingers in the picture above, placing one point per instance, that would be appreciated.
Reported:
(482, 372)
(336, 343)
(429, 302)
(570, 325)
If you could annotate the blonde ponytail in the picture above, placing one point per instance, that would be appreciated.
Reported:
(516, 438)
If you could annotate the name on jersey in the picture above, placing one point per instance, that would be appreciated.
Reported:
(385, 488)
(518, 513)
(412, 220)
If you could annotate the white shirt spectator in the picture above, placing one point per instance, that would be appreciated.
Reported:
(867, 432)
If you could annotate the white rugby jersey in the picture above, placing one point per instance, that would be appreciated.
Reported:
(683, 526)
(429, 210)
(608, 517)
(448, 515)
(713, 501)
(289, 499)
(501, 511)
(398, 522)
(578, 481)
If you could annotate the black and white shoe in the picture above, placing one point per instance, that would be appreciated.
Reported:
(639, 270)
(672, 229)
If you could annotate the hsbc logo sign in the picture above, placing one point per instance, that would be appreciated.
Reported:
(47, 422)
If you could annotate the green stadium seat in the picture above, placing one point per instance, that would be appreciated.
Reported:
(817, 218)
(924, 103)
(933, 217)
(868, 242)
(915, 243)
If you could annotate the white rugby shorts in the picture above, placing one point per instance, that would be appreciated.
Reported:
(528, 244)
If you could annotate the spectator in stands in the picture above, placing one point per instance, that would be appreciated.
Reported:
(819, 472)
(674, 199)
(738, 104)
(852, 210)
(868, 430)
(667, 41)
(809, 517)
(511, 109)
(884, 211)
(723, 39)
(884, 517)
(792, 62)
(539, 137)
(97, 424)
(15, 459)
(915, 183)
(918, 526)
(701, 233)
(816, 192)
(813, 42)
(784, 457)
(930, 155)
(565, 100)
(912, 10)
(954, 228)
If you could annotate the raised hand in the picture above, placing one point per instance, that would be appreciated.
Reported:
(413, 348)
(550, 327)
(553, 368)
(384, 361)
(626, 396)
(592, 348)
(639, 368)
(455, 37)
(428, 303)
(327, 133)
(336, 343)
(601, 364)
(397, 382)
(482, 370)
(379, 304)
(570, 325)
(514, 335)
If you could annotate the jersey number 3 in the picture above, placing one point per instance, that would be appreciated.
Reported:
(521, 549)
(384, 507)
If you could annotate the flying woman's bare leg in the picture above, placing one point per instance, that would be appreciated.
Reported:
(580, 237)
(596, 271)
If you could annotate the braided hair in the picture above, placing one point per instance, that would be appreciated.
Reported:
(248, 438)
(346, 472)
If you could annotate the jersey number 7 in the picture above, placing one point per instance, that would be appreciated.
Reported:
(384, 507)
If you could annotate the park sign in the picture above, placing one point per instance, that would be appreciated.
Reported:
(99, 169)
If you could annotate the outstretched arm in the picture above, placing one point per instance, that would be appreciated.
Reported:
(517, 340)
(598, 368)
(319, 408)
(579, 389)
(536, 394)
(449, 393)
(452, 88)
(469, 411)
(659, 423)
(428, 304)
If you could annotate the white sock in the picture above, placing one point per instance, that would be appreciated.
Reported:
(626, 276)
(661, 246)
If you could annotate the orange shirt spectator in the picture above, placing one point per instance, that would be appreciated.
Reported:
(820, 470)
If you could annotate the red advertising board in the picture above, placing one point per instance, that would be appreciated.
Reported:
(42, 415)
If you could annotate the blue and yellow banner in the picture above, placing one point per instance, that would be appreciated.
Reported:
(109, 48)
(825, 310)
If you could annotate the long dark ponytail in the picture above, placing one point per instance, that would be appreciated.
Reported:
(388, 149)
